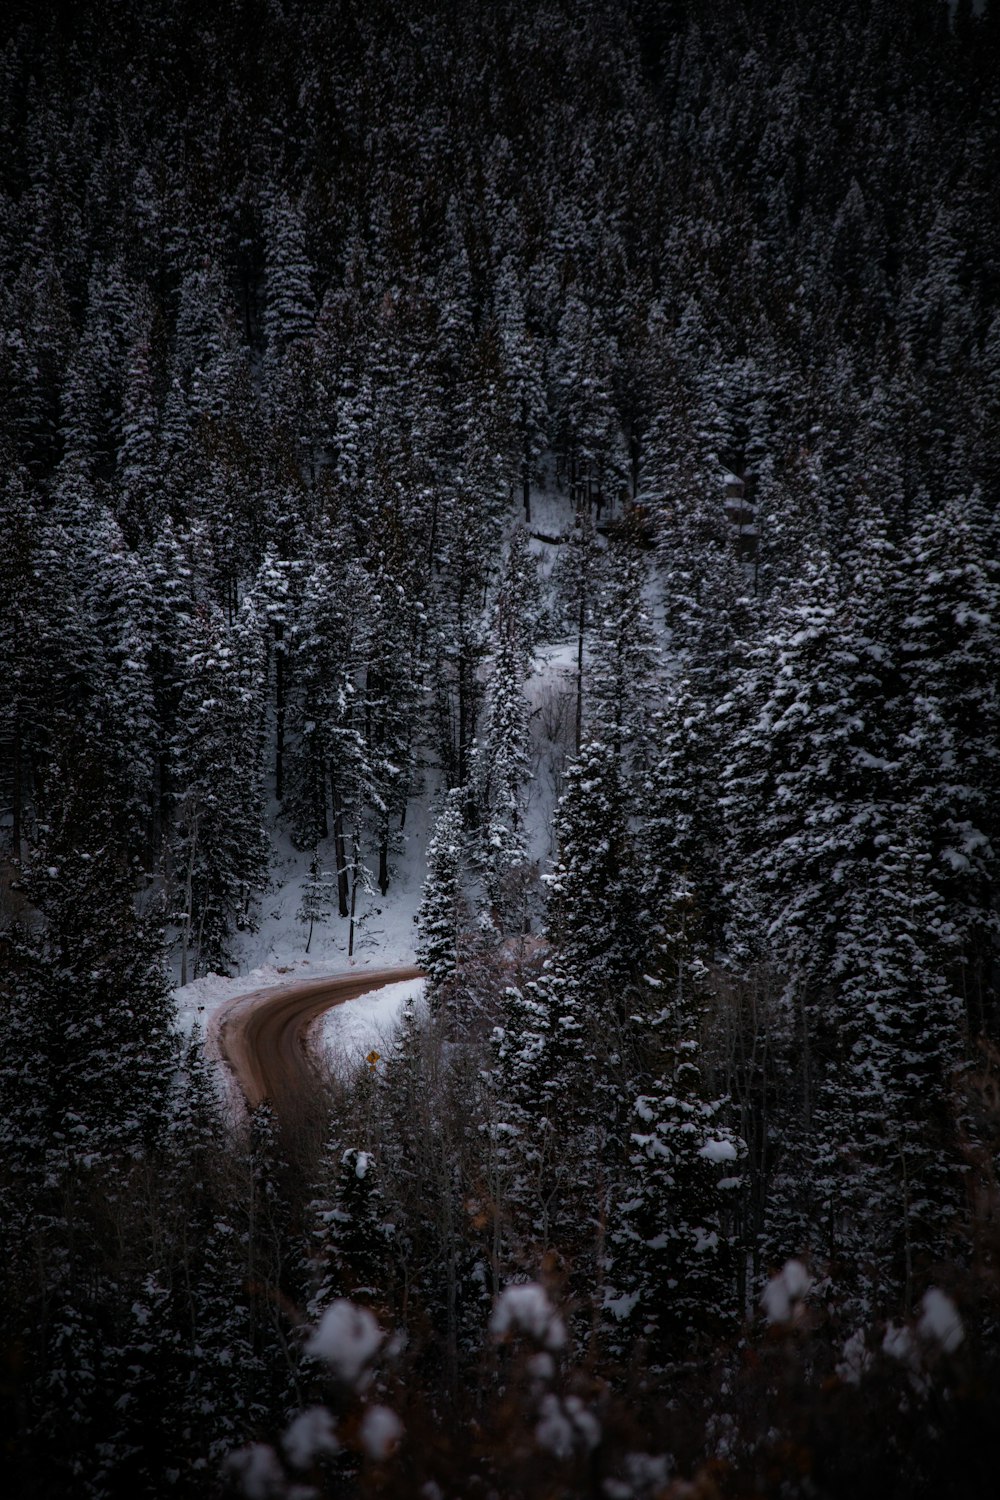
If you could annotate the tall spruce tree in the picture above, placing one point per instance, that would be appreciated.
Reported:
(440, 918)
(220, 849)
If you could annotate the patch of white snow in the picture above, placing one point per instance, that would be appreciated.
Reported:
(381, 1433)
(348, 1339)
(308, 1435)
(940, 1321)
(526, 1309)
(782, 1297)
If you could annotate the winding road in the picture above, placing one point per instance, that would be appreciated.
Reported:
(265, 1036)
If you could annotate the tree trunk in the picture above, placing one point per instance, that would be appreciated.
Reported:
(354, 896)
(188, 902)
(383, 856)
(432, 541)
(319, 798)
(339, 849)
(16, 791)
(201, 942)
(463, 713)
(279, 712)
(580, 630)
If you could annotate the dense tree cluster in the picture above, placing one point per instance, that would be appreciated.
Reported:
(308, 316)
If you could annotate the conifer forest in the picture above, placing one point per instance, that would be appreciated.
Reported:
(509, 490)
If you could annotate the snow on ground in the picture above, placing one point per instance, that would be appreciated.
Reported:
(553, 512)
(274, 956)
(551, 691)
(353, 1030)
(385, 932)
(552, 515)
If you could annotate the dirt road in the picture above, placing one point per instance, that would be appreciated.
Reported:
(265, 1037)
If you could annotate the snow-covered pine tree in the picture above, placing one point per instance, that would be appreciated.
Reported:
(220, 849)
(138, 498)
(524, 379)
(34, 306)
(349, 1249)
(172, 603)
(317, 895)
(321, 702)
(623, 672)
(95, 376)
(390, 701)
(531, 1082)
(585, 421)
(469, 533)
(520, 586)
(568, 1034)
(682, 830)
(576, 579)
(900, 1037)
(504, 770)
(189, 1369)
(87, 1002)
(951, 747)
(837, 862)
(290, 303)
(591, 918)
(322, 711)
(275, 597)
(675, 1266)
(114, 590)
(440, 918)
(804, 797)
(48, 654)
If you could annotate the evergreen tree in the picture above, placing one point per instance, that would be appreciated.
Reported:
(350, 1250)
(469, 531)
(325, 646)
(47, 651)
(591, 443)
(275, 596)
(504, 767)
(392, 697)
(86, 1008)
(592, 911)
(171, 606)
(290, 304)
(950, 761)
(38, 346)
(675, 1267)
(220, 850)
(114, 591)
(566, 1037)
(683, 828)
(317, 891)
(577, 581)
(440, 916)
(624, 660)
(529, 1089)
(94, 386)
(828, 851)
(901, 1032)
(525, 385)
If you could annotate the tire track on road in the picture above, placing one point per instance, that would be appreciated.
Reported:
(265, 1036)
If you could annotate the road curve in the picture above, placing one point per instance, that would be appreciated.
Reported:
(264, 1036)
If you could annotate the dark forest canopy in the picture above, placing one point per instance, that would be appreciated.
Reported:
(305, 312)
